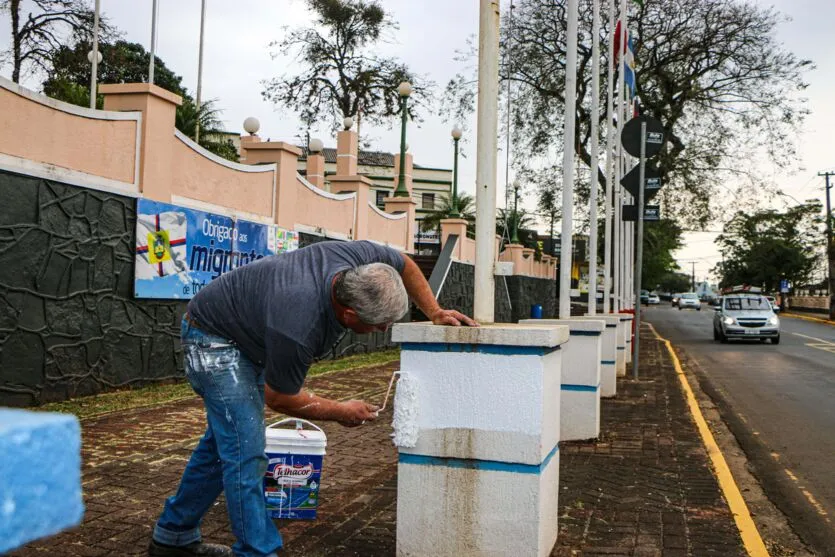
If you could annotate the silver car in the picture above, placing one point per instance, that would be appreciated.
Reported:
(690, 300)
(745, 316)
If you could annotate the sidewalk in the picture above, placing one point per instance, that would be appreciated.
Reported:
(645, 488)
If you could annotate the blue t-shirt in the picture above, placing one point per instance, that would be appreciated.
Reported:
(278, 310)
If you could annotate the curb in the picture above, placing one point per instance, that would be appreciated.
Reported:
(751, 539)
(806, 318)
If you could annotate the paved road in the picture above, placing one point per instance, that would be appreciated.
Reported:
(779, 401)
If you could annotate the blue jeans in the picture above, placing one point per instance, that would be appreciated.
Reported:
(230, 456)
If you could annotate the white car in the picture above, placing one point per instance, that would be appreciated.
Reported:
(653, 300)
(690, 300)
(774, 305)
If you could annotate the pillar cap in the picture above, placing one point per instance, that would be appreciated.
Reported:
(573, 323)
(454, 221)
(139, 88)
(277, 145)
(504, 334)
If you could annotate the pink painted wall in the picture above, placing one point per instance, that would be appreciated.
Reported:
(387, 229)
(318, 210)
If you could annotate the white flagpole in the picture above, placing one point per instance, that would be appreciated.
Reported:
(568, 160)
(200, 71)
(595, 155)
(610, 167)
(94, 59)
(153, 41)
(624, 16)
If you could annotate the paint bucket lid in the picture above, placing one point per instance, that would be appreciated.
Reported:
(299, 440)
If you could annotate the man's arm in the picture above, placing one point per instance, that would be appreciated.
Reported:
(420, 291)
(308, 406)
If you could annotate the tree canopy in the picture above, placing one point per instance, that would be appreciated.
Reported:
(339, 74)
(762, 248)
(661, 240)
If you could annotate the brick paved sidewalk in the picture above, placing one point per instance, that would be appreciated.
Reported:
(644, 488)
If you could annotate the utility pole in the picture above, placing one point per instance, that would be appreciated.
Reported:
(693, 274)
(830, 263)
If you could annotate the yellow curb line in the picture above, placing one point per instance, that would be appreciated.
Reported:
(742, 516)
(805, 318)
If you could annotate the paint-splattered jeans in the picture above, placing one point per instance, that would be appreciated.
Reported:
(230, 456)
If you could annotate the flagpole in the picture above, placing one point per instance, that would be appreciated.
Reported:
(610, 169)
(200, 72)
(568, 160)
(624, 17)
(595, 155)
(153, 41)
(94, 59)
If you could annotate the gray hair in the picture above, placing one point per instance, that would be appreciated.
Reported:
(375, 291)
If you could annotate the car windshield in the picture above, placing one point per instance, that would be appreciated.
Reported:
(689, 296)
(747, 304)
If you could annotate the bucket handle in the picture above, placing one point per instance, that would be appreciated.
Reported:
(297, 420)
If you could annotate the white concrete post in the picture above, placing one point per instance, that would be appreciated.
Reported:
(482, 476)
(568, 160)
(486, 155)
(580, 386)
(608, 354)
(595, 154)
(627, 336)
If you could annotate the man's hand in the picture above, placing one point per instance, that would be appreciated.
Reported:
(356, 412)
(451, 317)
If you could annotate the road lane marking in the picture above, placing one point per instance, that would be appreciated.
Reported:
(821, 344)
(739, 509)
(814, 338)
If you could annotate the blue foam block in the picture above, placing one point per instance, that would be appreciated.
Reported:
(40, 475)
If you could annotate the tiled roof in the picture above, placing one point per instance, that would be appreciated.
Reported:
(364, 158)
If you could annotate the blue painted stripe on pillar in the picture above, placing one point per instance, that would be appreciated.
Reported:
(479, 348)
(585, 333)
(473, 464)
(608, 362)
(580, 388)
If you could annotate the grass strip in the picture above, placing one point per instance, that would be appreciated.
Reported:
(153, 395)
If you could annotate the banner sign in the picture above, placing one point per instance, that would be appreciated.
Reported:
(180, 250)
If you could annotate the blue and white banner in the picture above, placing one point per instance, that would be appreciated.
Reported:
(180, 250)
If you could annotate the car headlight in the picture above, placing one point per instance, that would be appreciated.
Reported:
(774, 321)
(728, 321)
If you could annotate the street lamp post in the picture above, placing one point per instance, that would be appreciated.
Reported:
(404, 90)
(456, 137)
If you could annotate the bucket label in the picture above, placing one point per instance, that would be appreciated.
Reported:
(291, 485)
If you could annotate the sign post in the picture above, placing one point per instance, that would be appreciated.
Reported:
(642, 137)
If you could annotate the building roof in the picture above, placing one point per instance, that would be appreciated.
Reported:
(364, 158)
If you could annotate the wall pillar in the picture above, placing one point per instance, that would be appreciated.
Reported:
(286, 157)
(362, 186)
(156, 152)
(482, 474)
(454, 226)
(315, 173)
(404, 205)
(347, 150)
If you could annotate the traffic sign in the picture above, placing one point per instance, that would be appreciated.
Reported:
(652, 181)
(651, 213)
(630, 137)
(784, 286)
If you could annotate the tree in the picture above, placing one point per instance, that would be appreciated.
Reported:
(68, 80)
(39, 28)
(661, 239)
(711, 70)
(466, 206)
(340, 75)
(675, 282)
(762, 248)
(522, 220)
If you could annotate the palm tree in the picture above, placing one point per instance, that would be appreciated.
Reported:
(465, 211)
(210, 127)
(522, 220)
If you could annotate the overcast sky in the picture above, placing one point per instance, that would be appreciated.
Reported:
(238, 57)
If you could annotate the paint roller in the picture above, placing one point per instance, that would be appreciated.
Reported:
(405, 415)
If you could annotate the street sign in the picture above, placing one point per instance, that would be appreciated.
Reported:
(651, 213)
(652, 180)
(630, 137)
(784, 286)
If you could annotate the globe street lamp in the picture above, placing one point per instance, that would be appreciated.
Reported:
(456, 137)
(404, 90)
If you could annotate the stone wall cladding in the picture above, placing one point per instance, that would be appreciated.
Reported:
(69, 325)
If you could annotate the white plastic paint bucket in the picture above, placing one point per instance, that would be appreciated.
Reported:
(294, 469)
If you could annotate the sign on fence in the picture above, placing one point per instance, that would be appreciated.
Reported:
(180, 250)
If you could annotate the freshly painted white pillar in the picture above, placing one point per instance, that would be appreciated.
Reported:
(627, 335)
(609, 354)
(483, 475)
(486, 156)
(581, 366)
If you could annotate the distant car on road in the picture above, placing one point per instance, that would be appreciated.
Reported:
(675, 299)
(744, 316)
(653, 300)
(774, 305)
(645, 297)
(689, 300)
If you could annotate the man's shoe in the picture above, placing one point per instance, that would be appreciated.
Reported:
(196, 549)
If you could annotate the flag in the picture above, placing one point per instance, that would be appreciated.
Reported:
(160, 244)
(629, 68)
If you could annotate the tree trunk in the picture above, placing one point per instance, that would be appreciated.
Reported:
(14, 10)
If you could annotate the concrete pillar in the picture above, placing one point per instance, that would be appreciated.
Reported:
(608, 353)
(315, 173)
(515, 254)
(362, 186)
(454, 226)
(581, 368)
(408, 171)
(483, 476)
(627, 318)
(156, 150)
(528, 260)
(404, 205)
(347, 150)
(286, 156)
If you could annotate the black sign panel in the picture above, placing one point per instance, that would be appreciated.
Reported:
(630, 137)
(652, 179)
(651, 213)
